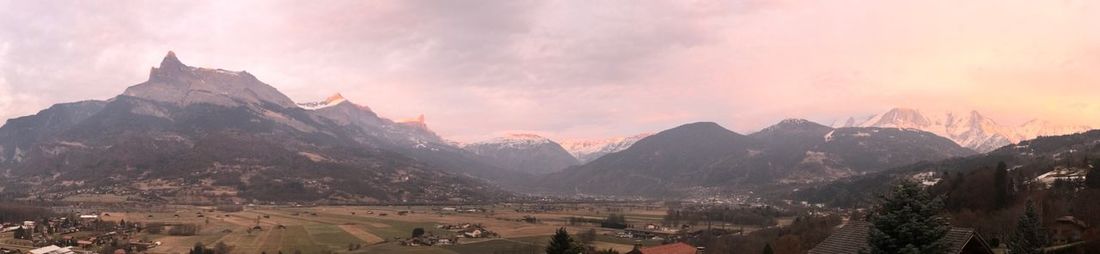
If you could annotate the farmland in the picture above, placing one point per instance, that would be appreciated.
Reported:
(376, 229)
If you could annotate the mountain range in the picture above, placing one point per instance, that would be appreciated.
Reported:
(528, 153)
(705, 154)
(971, 130)
(200, 135)
(191, 134)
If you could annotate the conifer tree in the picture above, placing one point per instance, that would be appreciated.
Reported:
(1029, 237)
(562, 243)
(768, 249)
(1000, 182)
(908, 221)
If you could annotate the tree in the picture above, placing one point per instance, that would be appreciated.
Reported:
(768, 249)
(908, 221)
(562, 243)
(417, 232)
(1000, 182)
(1029, 237)
(1092, 179)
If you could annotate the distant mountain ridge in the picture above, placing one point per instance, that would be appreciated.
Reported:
(707, 155)
(587, 150)
(523, 152)
(972, 130)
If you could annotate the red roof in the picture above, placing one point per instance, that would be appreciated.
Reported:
(676, 248)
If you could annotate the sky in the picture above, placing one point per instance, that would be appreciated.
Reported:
(581, 69)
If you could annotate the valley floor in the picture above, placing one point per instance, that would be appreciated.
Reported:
(335, 228)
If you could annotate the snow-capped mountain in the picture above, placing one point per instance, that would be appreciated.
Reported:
(591, 149)
(333, 100)
(525, 153)
(972, 130)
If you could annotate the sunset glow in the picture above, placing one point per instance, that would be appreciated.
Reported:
(576, 69)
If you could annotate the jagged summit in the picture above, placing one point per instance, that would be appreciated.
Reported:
(176, 83)
(971, 129)
(171, 61)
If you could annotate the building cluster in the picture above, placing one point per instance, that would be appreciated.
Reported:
(75, 234)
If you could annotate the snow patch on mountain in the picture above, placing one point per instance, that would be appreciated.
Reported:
(592, 149)
(515, 140)
(333, 100)
(971, 130)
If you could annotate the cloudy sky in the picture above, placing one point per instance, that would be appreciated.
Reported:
(581, 69)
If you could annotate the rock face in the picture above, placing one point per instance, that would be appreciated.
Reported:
(707, 155)
(589, 150)
(528, 153)
(179, 84)
(201, 135)
(971, 130)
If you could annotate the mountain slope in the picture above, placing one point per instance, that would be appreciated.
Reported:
(200, 135)
(658, 164)
(1027, 160)
(972, 130)
(524, 152)
(695, 155)
(411, 138)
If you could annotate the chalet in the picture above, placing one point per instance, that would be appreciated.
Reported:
(675, 248)
(852, 239)
(1066, 230)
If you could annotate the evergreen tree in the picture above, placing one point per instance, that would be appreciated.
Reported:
(562, 243)
(908, 221)
(768, 249)
(1029, 237)
(1000, 182)
(1092, 179)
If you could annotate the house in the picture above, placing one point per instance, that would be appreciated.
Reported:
(675, 248)
(1066, 230)
(852, 239)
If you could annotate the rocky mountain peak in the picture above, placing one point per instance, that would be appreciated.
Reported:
(177, 83)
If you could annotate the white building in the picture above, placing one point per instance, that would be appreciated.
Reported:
(53, 249)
